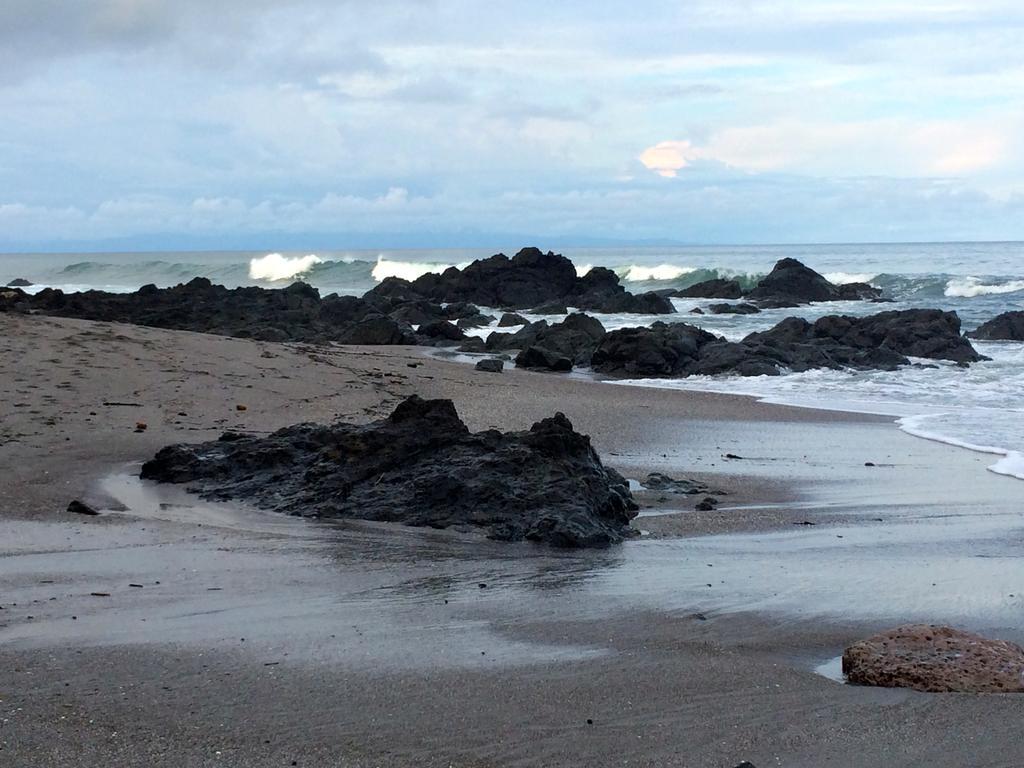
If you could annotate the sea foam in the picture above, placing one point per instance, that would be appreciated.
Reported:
(276, 266)
(842, 278)
(641, 274)
(967, 287)
(407, 270)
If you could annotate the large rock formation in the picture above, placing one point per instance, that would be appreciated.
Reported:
(884, 341)
(573, 340)
(295, 313)
(421, 466)
(792, 283)
(663, 350)
(1008, 326)
(528, 280)
(718, 288)
(936, 659)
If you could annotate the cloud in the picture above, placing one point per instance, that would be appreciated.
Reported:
(889, 147)
(246, 115)
(667, 158)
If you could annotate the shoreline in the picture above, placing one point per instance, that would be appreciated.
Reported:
(369, 644)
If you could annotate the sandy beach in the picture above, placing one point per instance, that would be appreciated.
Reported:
(253, 639)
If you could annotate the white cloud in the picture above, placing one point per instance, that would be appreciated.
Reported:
(860, 148)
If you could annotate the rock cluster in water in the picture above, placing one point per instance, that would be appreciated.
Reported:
(936, 659)
(883, 341)
(420, 466)
(434, 310)
(789, 284)
(531, 279)
(1008, 326)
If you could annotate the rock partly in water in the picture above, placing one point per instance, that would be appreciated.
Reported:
(491, 365)
(791, 282)
(295, 313)
(733, 309)
(421, 466)
(511, 318)
(719, 288)
(884, 341)
(19, 282)
(664, 349)
(574, 339)
(531, 278)
(1008, 326)
(936, 659)
(658, 481)
(536, 356)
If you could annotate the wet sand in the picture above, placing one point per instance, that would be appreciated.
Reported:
(258, 640)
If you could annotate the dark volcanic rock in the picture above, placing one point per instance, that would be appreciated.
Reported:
(421, 466)
(930, 333)
(295, 313)
(657, 481)
(733, 309)
(531, 278)
(790, 282)
(936, 659)
(551, 308)
(574, 339)
(719, 288)
(878, 342)
(442, 330)
(1008, 326)
(479, 320)
(664, 349)
(536, 356)
(19, 282)
(376, 330)
(511, 318)
(491, 365)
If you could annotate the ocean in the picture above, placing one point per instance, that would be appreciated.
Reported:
(980, 408)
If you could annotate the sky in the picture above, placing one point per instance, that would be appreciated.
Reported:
(240, 123)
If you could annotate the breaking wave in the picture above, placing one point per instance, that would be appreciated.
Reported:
(275, 266)
(842, 278)
(968, 287)
(408, 270)
(638, 274)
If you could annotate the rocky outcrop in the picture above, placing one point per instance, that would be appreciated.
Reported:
(510, 319)
(719, 288)
(928, 333)
(936, 659)
(19, 282)
(663, 350)
(733, 309)
(530, 279)
(490, 365)
(295, 313)
(420, 466)
(1008, 326)
(792, 283)
(878, 342)
(556, 347)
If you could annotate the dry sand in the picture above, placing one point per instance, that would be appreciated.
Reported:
(256, 640)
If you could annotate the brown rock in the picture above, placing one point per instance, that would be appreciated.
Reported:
(936, 659)
(241, 407)
(140, 426)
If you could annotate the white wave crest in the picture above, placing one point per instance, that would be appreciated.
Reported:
(276, 266)
(407, 270)
(842, 278)
(967, 287)
(638, 274)
(1011, 464)
(582, 269)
